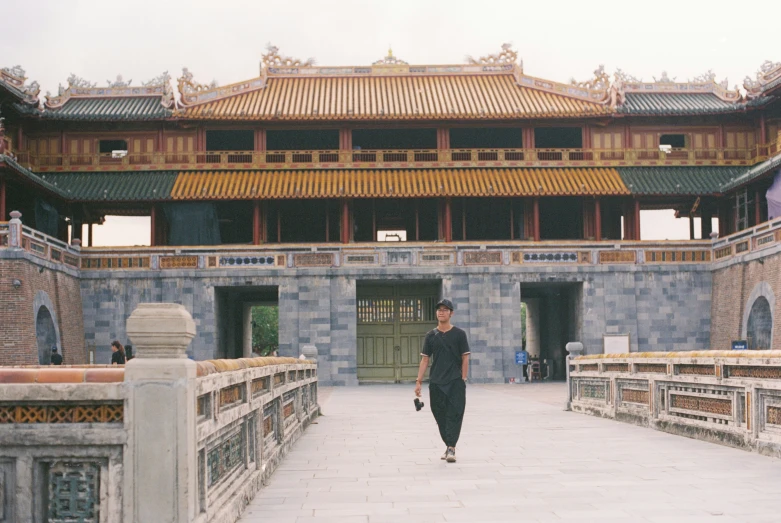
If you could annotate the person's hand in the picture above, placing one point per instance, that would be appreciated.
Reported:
(417, 389)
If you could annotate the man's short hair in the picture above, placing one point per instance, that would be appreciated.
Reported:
(54, 348)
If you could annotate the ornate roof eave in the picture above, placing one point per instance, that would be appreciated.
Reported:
(703, 84)
(768, 79)
(80, 88)
(14, 79)
(192, 93)
(273, 65)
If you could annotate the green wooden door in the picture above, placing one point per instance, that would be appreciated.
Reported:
(392, 322)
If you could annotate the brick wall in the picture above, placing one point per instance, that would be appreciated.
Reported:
(732, 288)
(18, 344)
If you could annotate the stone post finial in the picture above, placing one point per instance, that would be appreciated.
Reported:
(575, 348)
(76, 242)
(309, 352)
(15, 230)
(160, 330)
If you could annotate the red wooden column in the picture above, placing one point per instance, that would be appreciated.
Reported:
(598, 219)
(536, 217)
(2, 200)
(448, 221)
(762, 130)
(345, 229)
(89, 234)
(153, 226)
(757, 207)
(637, 220)
(256, 222)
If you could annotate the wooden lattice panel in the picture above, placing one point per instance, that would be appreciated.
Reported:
(589, 367)
(773, 415)
(722, 407)
(268, 426)
(697, 370)
(483, 258)
(100, 413)
(291, 376)
(616, 367)
(753, 371)
(288, 410)
(742, 247)
(179, 262)
(279, 378)
(635, 396)
(651, 368)
(617, 257)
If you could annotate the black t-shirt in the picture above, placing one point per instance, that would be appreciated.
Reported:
(118, 358)
(446, 350)
(56, 359)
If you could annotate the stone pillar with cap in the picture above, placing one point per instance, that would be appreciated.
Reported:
(160, 453)
(574, 349)
(15, 230)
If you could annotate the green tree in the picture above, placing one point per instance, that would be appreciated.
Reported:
(265, 329)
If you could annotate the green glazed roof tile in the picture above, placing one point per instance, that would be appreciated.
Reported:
(678, 180)
(126, 108)
(113, 186)
(668, 103)
(753, 173)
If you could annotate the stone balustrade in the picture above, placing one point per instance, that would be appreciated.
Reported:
(162, 439)
(729, 397)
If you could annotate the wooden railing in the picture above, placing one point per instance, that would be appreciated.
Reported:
(395, 158)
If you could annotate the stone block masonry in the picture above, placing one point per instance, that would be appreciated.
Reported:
(662, 308)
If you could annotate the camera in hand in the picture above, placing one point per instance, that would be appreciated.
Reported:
(419, 404)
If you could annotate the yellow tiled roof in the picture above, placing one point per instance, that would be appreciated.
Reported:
(393, 97)
(230, 185)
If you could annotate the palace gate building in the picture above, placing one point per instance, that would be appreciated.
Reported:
(355, 197)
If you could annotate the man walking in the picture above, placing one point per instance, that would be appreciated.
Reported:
(448, 348)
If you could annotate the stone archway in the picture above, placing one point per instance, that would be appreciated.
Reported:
(47, 331)
(760, 325)
(45, 335)
(758, 317)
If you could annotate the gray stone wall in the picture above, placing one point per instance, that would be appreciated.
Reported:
(663, 308)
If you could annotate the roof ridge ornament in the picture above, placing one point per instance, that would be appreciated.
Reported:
(390, 60)
(626, 77)
(15, 77)
(272, 58)
(664, 79)
(119, 82)
(769, 72)
(600, 82)
(80, 88)
(189, 86)
(506, 56)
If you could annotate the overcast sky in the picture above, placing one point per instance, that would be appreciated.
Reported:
(223, 40)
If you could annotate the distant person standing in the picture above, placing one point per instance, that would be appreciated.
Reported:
(448, 347)
(117, 353)
(56, 356)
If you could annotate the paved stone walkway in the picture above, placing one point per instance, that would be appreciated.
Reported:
(372, 459)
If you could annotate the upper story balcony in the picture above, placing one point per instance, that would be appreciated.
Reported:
(396, 158)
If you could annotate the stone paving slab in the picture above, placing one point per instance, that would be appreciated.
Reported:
(372, 459)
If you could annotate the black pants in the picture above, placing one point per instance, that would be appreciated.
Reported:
(448, 403)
